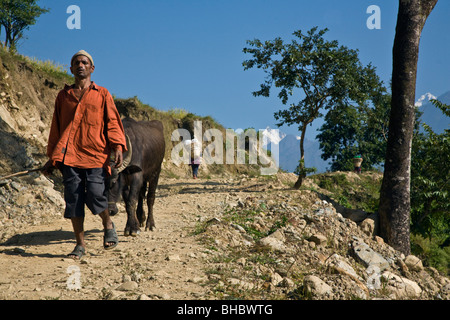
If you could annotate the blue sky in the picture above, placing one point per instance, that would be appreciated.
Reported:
(188, 54)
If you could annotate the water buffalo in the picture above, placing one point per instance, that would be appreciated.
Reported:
(141, 166)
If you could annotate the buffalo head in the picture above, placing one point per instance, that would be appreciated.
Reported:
(116, 182)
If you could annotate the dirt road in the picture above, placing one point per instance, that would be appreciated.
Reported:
(167, 263)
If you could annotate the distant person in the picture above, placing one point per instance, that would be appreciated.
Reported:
(357, 161)
(196, 157)
(85, 129)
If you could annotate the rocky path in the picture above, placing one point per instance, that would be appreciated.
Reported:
(214, 239)
(166, 263)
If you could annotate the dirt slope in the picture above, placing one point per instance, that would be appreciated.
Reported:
(163, 264)
(238, 238)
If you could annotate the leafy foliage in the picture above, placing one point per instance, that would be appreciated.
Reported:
(432, 252)
(16, 16)
(340, 137)
(361, 193)
(356, 130)
(326, 73)
(430, 181)
(349, 130)
(430, 205)
(302, 170)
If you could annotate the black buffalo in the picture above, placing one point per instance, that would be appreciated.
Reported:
(141, 167)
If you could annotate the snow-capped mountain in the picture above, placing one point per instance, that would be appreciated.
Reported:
(432, 116)
(425, 97)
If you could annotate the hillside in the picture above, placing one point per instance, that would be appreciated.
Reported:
(218, 238)
(27, 97)
(181, 119)
(27, 94)
(231, 234)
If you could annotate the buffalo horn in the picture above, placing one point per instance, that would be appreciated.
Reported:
(127, 159)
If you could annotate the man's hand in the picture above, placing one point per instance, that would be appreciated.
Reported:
(118, 156)
(48, 168)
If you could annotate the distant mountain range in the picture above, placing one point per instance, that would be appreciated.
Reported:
(432, 116)
(290, 154)
(289, 147)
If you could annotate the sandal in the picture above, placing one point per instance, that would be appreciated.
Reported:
(110, 235)
(77, 253)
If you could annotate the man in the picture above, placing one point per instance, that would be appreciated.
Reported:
(86, 128)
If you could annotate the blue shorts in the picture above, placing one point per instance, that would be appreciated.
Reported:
(84, 187)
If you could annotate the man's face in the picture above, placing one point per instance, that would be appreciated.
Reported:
(81, 67)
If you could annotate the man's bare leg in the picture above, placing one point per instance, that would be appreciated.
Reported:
(107, 224)
(78, 229)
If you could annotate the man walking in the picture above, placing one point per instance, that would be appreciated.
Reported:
(86, 128)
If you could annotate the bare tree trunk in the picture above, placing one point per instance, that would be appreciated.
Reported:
(301, 170)
(395, 203)
(6, 37)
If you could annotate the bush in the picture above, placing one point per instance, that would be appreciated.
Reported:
(430, 181)
(431, 252)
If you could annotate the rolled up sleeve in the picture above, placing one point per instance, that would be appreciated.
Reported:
(114, 127)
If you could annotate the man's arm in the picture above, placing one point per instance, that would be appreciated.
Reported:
(116, 133)
(55, 133)
(53, 139)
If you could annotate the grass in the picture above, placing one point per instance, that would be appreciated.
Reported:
(177, 113)
(247, 219)
(362, 192)
(52, 69)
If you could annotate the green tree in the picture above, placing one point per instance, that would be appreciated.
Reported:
(327, 74)
(16, 16)
(356, 130)
(340, 137)
(376, 130)
(430, 181)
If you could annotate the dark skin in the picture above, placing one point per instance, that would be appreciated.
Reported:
(82, 70)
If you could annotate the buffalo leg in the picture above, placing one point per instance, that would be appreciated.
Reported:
(131, 200)
(151, 200)
(140, 208)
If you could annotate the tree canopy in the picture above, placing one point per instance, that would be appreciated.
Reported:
(350, 130)
(319, 74)
(16, 16)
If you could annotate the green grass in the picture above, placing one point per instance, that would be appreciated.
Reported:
(177, 113)
(359, 193)
(50, 68)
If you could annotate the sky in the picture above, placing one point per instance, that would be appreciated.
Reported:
(188, 53)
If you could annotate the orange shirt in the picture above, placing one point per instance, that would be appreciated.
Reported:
(84, 132)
